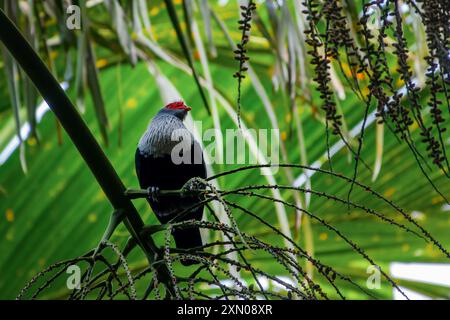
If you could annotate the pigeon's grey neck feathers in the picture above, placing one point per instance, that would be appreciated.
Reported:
(158, 141)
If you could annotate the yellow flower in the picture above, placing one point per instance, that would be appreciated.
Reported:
(346, 69)
(132, 103)
(289, 117)
(436, 200)
(365, 91)
(9, 215)
(100, 196)
(53, 55)
(92, 218)
(32, 141)
(101, 63)
(196, 55)
(389, 192)
(323, 236)
(400, 83)
(154, 11)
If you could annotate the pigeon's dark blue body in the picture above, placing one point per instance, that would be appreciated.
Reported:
(157, 169)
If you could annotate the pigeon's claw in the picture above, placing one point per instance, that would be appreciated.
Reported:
(153, 193)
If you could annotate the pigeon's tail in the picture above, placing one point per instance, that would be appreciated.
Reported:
(188, 238)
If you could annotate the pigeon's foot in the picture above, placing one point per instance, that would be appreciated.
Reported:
(153, 193)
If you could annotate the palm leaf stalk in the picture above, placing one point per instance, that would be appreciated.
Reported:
(79, 133)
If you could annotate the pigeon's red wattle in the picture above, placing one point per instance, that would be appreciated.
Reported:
(178, 105)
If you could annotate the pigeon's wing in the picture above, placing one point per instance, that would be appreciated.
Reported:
(137, 164)
(163, 173)
(190, 237)
(199, 168)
